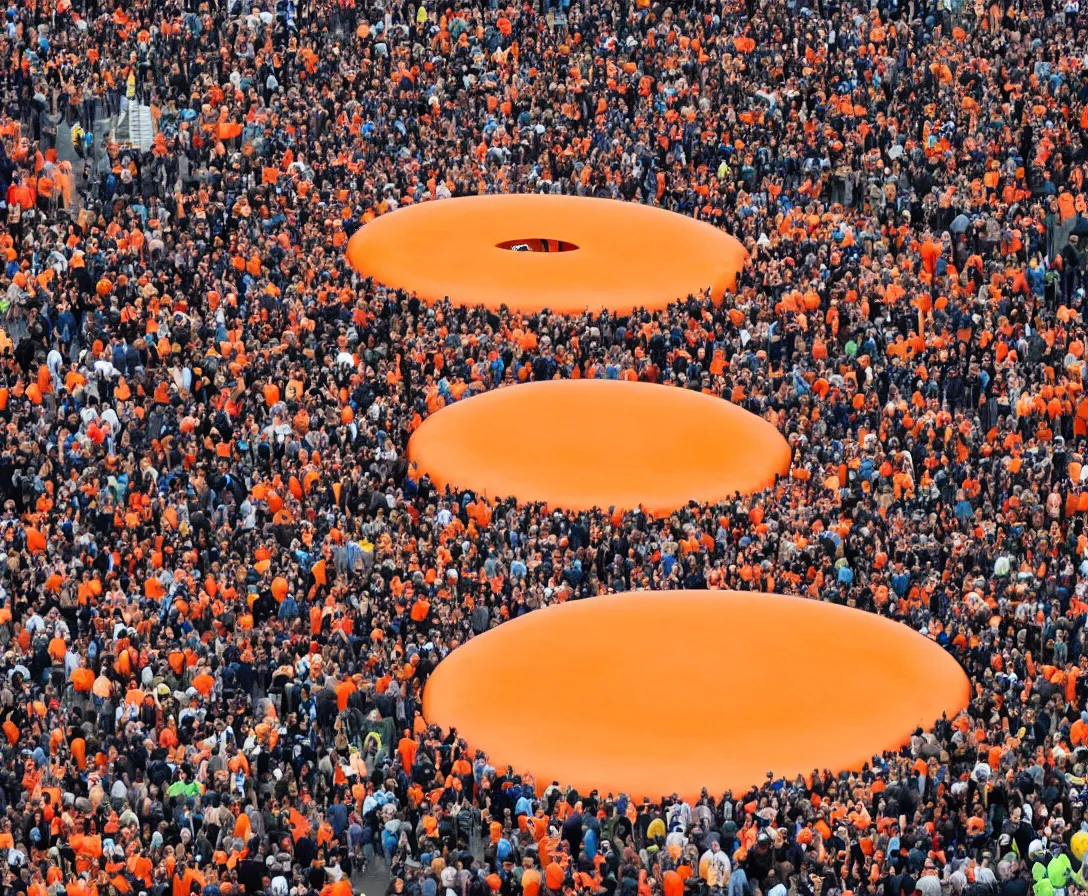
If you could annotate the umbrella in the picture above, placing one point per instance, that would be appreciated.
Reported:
(203, 683)
(134, 695)
(83, 680)
(101, 687)
(959, 224)
(21, 669)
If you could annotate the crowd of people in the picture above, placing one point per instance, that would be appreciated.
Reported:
(224, 585)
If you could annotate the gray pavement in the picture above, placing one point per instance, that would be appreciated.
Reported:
(377, 877)
(374, 881)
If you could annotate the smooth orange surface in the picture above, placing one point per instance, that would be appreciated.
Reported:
(579, 444)
(651, 693)
(629, 255)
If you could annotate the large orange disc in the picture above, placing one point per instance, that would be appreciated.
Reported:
(579, 444)
(616, 255)
(652, 693)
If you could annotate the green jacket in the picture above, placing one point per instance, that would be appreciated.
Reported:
(180, 788)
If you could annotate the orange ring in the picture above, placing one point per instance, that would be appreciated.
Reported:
(628, 255)
(579, 444)
(634, 694)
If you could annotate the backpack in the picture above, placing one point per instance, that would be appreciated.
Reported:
(481, 620)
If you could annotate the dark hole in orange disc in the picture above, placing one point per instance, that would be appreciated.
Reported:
(538, 245)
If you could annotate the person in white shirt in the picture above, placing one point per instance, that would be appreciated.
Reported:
(35, 623)
(773, 886)
(55, 362)
(984, 876)
(715, 865)
(679, 817)
(104, 369)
